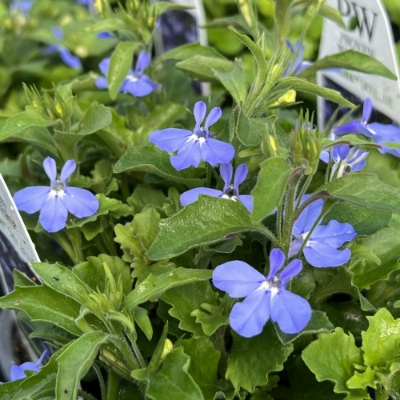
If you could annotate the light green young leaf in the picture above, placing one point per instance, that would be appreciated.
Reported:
(96, 117)
(172, 379)
(270, 188)
(191, 50)
(208, 220)
(331, 13)
(120, 63)
(381, 340)
(337, 363)
(282, 19)
(74, 363)
(107, 25)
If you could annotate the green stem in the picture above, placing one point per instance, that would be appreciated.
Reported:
(101, 381)
(208, 175)
(74, 236)
(63, 240)
(381, 393)
(265, 231)
(85, 395)
(288, 222)
(136, 350)
(109, 243)
(305, 186)
(112, 392)
(279, 218)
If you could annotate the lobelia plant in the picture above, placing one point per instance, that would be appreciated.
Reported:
(248, 257)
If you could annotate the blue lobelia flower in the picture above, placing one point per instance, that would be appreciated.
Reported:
(137, 83)
(296, 65)
(229, 191)
(380, 133)
(265, 297)
(105, 35)
(56, 200)
(18, 371)
(321, 249)
(65, 55)
(192, 147)
(21, 6)
(345, 158)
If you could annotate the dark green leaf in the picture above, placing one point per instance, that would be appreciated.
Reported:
(270, 188)
(208, 220)
(150, 159)
(173, 379)
(350, 60)
(97, 117)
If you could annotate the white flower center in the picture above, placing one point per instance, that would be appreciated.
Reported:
(58, 190)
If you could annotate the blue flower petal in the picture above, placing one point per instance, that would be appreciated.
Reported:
(199, 112)
(101, 83)
(226, 171)
(249, 317)
(237, 278)
(240, 175)
(307, 218)
(350, 127)
(192, 195)
(247, 200)
(16, 373)
(80, 202)
(170, 139)
(69, 59)
(321, 255)
(137, 87)
(104, 66)
(291, 270)
(49, 165)
(276, 260)
(295, 246)
(143, 61)
(367, 110)
(53, 216)
(335, 234)
(31, 199)
(216, 152)
(290, 311)
(105, 35)
(68, 169)
(214, 115)
(188, 155)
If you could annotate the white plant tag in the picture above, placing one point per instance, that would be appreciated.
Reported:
(373, 36)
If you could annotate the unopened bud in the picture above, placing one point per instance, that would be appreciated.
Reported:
(168, 347)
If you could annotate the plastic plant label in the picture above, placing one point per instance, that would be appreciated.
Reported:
(16, 248)
(369, 32)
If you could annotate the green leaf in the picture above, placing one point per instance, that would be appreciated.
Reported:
(150, 159)
(365, 221)
(172, 379)
(208, 220)
(96, 117)
(185, 299)
(319, 323)
(74, 363)
(234, 81)
(332, 357)
(385, 244)
(202, 68)
(42, 303)
(120, 63)
(270, 188)
(381, 340)
(350, 60)
(161, 7)
(203, 367)
(142, 319)
(365, 190)
(331, 13)
(107, 25)
(282, 19)
(252, 359)
(354, 140)
(191, 50)
(251, 131)
(154, 286)
(362, 380)
(144, 196)
(304, 86)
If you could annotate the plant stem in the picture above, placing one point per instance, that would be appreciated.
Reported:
(136, 350)
(74, 236)
(381, 393)
(101, 381)
(109, 243)
(112, 392)
(85, 395)
(65, 243)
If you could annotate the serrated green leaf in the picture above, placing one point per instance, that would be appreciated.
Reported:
(74, 363)
(185, 299)
(150, 159)
(252, 359)
(251, 131)
(362, 380)
(337, 364)
(203, 367)
(350, 60)
(365, 190)
(381, 340)
(120, 63)
(208, 220)
(234, 81)
(172, 378)
(154, 286)
(42, 303)
(270, 188)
